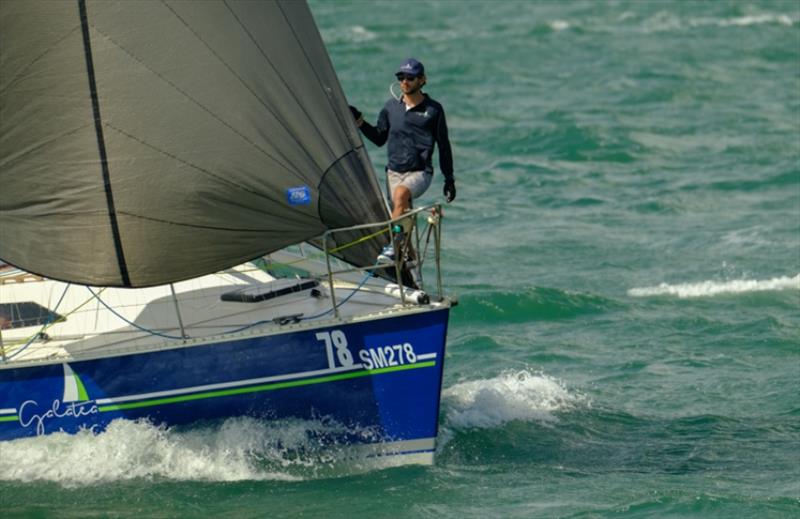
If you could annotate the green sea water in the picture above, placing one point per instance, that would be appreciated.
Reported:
(625, 247)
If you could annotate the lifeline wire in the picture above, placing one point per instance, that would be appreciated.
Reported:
(97, 296)
(44, 326)
(366, 277)
(159, 334)
(235, 330)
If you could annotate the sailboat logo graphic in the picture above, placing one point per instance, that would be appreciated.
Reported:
(74, 405)
(74, 390)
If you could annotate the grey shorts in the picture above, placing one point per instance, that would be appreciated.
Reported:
(416, 181)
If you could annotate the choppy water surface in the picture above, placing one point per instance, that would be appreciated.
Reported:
(626, 250)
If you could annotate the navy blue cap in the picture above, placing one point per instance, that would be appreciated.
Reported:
(411, 66)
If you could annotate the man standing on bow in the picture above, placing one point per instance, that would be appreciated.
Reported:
(412, 124)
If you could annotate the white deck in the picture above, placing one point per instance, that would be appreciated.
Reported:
(90, 330)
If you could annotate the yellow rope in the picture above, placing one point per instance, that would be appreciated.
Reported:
(277, 264)
(356, 242)
(331, 251)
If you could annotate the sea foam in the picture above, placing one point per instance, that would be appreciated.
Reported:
(519, 395)
(237, 449)
(713, 288)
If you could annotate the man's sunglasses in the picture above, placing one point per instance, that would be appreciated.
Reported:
(406, 77)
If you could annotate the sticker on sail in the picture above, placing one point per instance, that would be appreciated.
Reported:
(299, 195)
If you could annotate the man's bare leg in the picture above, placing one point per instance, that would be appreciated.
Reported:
(401, 201)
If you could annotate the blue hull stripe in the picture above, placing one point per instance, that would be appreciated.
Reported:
(262, 387)
(226, 385)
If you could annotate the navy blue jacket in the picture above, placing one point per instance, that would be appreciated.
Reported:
(411, 135)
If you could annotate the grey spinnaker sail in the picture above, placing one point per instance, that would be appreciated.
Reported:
(143, 143)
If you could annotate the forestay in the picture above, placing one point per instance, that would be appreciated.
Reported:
(148, 142)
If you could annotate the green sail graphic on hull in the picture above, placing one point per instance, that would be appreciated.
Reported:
(74, 390)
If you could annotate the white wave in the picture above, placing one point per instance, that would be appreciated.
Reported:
(559, 25)
(510, 396)
(359, 33)
(744, 21)
(713, 288)
(237, 449)
(353, 34)
(665, 21)
(662, 21)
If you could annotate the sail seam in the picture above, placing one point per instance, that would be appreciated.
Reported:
(209, 227)
(101, 145)
(313, 69)
(280, 76)
(11, 160)
(243, 83)
(47, 51)
(152, 219)
(201, 106)
(193, 166)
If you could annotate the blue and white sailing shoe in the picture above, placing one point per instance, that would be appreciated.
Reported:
(387, 254)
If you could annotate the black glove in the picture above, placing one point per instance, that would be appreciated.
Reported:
(450, 189)
(355, 112)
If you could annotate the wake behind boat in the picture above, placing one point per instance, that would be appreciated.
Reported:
(147, 150)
